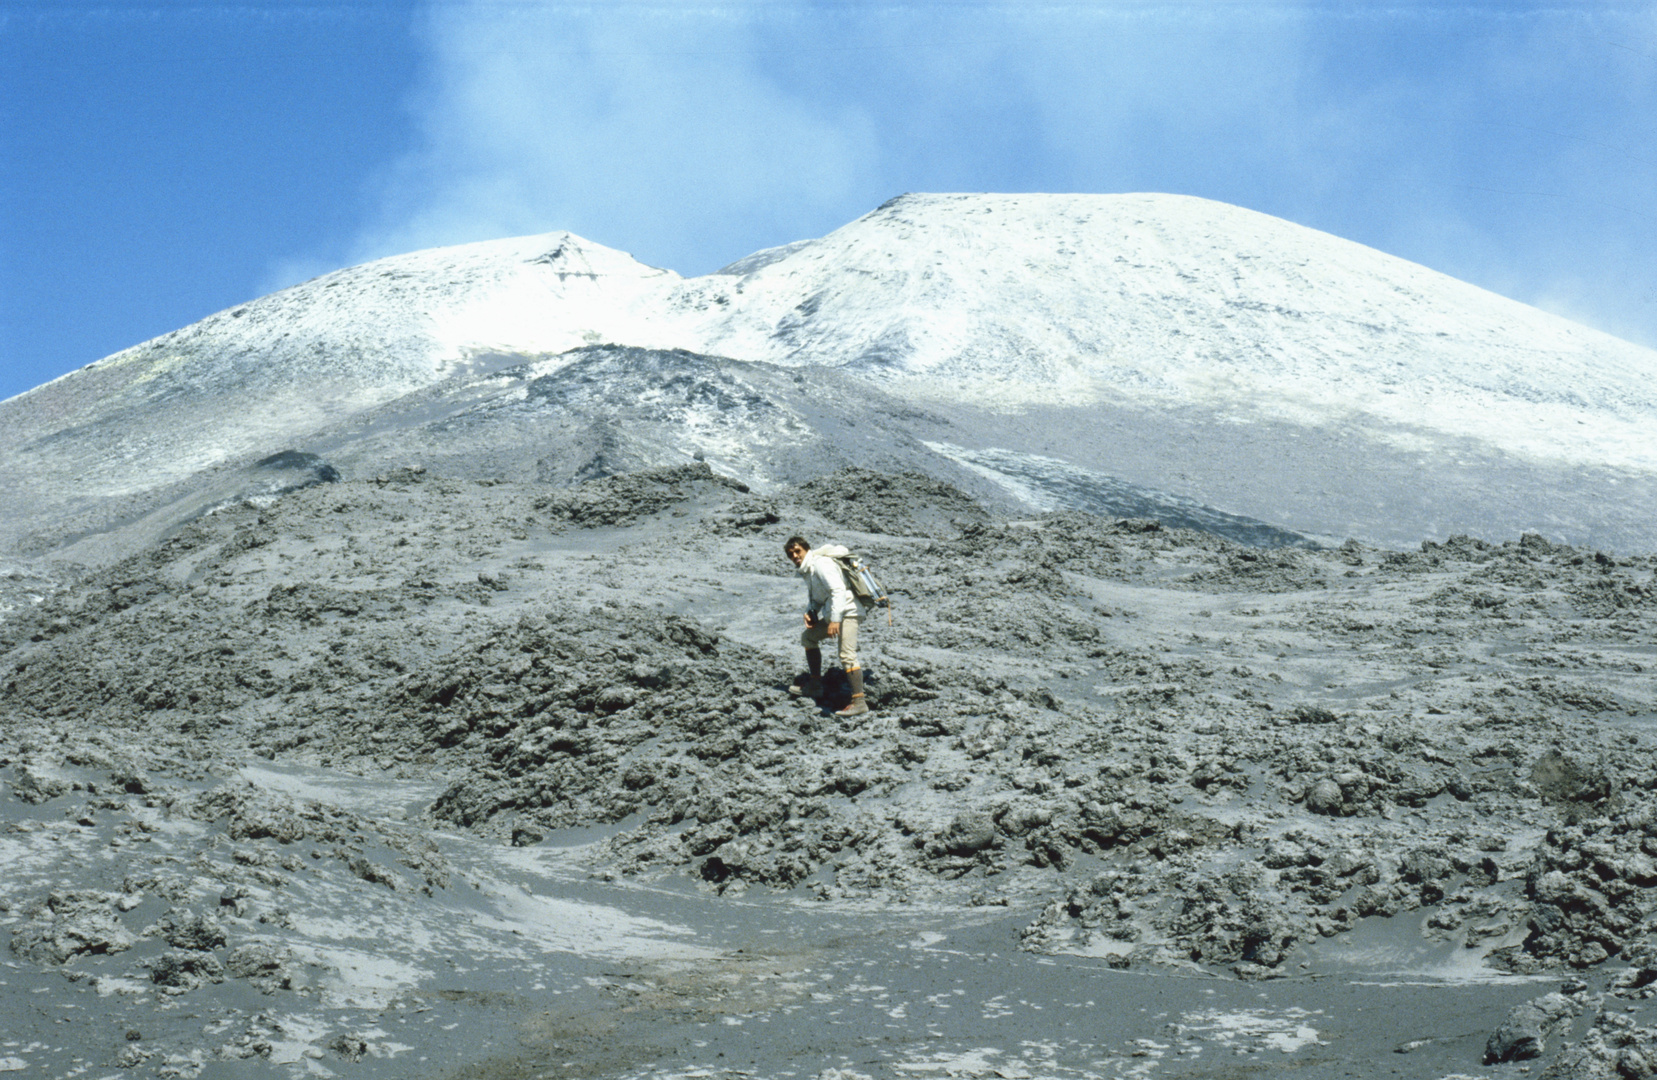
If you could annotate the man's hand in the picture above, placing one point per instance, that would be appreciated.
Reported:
(833, 629)
(809, 621)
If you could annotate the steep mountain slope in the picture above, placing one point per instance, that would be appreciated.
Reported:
(1204, 354)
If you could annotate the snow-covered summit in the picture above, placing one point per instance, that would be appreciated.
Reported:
(1152, 300)
(1178, 302)
(1007, 300)
(1186, 321)
(276, 367)
(406, 319)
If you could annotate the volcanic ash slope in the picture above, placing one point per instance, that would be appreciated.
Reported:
(1178, 735)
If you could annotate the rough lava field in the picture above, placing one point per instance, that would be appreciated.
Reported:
(393, 669)
(413, 776)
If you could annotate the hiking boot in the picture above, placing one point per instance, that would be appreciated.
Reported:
(858, 706)
(807, 685)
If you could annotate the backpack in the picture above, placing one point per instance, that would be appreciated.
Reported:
(861, 580)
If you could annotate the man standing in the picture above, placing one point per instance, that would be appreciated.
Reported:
(831, 612)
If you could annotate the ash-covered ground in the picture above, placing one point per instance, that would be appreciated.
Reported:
(424, 777)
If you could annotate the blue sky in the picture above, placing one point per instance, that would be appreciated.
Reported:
(164, 160)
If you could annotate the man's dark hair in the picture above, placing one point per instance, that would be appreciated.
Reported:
(792, 540)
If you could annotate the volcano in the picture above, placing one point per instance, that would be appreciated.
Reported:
(1052, 351)
(394, 670)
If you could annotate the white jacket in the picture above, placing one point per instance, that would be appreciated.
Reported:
(829, 598)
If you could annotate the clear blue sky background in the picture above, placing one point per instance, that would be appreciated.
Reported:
(160, 161)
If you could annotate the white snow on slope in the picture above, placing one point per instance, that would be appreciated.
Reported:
(1159, 302)
(1172, 301)
(273, 369)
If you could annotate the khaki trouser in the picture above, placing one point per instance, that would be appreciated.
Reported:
(814, 636)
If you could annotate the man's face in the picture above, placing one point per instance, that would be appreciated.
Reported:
(796, 554)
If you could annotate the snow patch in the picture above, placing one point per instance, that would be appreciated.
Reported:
(1252, 1029)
